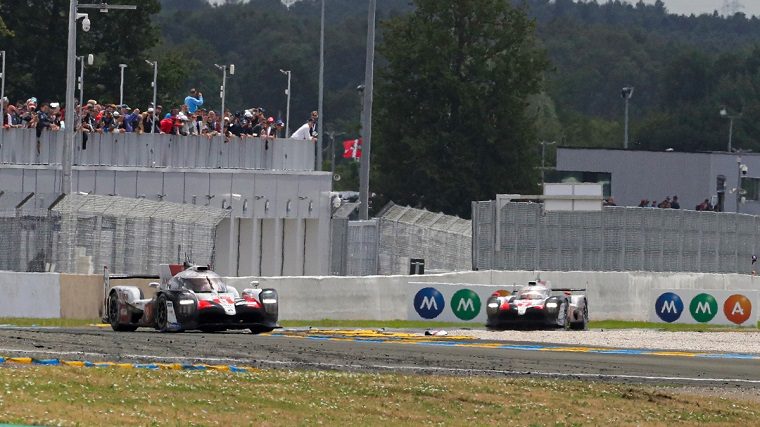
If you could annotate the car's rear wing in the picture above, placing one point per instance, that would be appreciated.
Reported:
(569, 289)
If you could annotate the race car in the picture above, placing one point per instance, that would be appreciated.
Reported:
(537, 305)
(189, 297)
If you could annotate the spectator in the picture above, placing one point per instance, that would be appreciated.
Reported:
(305, 131)
(133, 120)
(609, 202)
(42, 122)
(644, 203)
(315, 118)
(268, 132)
(665, 204)
(704, 206)
(654, 204)
(167, 124)
(193, 101)
(279, 126)
(675, 204)
(211, 127)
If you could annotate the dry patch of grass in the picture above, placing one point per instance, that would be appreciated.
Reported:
(113, 396)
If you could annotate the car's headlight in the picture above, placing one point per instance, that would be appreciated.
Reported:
(269, 301)
(493, 304)
(551, 305)
(186, 301)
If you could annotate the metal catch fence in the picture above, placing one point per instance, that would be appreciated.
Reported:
(385, 245)
(522, 236)
(81, 233)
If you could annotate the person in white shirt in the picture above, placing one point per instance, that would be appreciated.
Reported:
(304, 132)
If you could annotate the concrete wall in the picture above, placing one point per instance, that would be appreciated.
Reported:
(611, 295)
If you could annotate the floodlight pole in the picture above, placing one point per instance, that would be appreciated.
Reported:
(121, 85)
(2, 98)
(154, 64)
(287, 107)
(367, 116)
(67, 160)
(321, 121)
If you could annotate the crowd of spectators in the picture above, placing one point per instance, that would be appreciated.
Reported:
(189, 118)
(667, 203)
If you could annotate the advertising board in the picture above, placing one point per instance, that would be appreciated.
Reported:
(714, 307)
(450, 302)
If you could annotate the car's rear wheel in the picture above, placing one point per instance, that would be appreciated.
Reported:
(162, 317)
(582, 324)
(113, 316)
(564, 323)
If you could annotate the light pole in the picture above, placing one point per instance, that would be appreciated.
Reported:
(121, 85)
(154, 64)
(2, 96)
(223, 92)
(90, 60)
(626, 93)
(332, 136)
(730, 117)
(367, 119)
(543, 160)
(320, 123)
(68, 134)
(287, 108)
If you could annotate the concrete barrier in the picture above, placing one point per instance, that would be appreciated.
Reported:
(611, 295)
(30, 295)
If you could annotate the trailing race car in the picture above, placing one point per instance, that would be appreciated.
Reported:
(537, 305)
(190, 297)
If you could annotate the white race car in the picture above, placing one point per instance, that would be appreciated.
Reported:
(537, 305)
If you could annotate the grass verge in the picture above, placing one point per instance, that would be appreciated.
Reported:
(77, 396)
(64, 323)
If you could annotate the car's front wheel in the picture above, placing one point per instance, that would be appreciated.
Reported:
(162, 316)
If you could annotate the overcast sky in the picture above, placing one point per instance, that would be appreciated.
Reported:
(750, 7)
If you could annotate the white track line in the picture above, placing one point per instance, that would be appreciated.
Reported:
(397, 367)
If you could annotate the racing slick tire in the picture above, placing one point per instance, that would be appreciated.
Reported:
(162, 316)
(566, 310)
(582, 324)
(113, 315)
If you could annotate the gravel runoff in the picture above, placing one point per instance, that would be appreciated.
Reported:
(723, 342)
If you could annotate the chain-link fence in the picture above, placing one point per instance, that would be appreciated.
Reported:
(385, 245)
(522, 236)
(81, 233)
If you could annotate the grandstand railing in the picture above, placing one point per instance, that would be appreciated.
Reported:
(19, 147)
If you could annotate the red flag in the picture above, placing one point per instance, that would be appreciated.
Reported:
(352, 148)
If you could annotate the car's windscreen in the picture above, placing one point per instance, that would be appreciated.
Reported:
(204, 284)
(530, 295)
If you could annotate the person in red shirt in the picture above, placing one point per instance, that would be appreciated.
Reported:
(167, 124)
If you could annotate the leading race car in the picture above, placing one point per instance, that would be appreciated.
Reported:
(190, 297)
(537, 305)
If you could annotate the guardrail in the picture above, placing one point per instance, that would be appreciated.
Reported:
(19, 146)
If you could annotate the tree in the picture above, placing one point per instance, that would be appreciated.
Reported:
(451, 121)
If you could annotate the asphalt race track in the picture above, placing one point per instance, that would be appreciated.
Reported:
(371, 351)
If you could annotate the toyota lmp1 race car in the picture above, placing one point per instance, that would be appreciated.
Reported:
(189, 297)
(537, 305)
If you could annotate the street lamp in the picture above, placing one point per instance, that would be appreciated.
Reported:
(367, 113)
(90, 60)
(121, 85)
(730, 117)
(287, 108)
(154, 64)
(68, 135)
(626, 93)
(223, 92)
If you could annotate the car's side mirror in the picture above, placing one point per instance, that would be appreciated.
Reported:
(154, 285)
(255, 284)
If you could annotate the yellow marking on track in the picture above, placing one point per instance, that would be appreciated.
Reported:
(74, 363)
(671, 353)
(100, 325)
(24, 360)
(568, 349)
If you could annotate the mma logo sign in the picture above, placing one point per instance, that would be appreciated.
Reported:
(709, 307)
